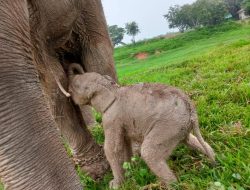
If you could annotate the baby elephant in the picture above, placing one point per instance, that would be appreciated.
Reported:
(155, 116)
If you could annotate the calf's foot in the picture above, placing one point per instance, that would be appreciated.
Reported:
(115, 183)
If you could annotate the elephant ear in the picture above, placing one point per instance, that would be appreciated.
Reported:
(101, 96)
(109, 82)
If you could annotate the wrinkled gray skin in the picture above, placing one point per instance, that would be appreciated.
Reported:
(37, 41)
(155, 116)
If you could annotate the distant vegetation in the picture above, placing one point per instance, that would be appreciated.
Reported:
(200, 13)
(233, 6)
(204, 13)
(132, 29)
(117, 33)
(246, 5)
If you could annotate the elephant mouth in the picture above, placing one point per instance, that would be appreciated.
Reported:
(70, 52)
(66, 58)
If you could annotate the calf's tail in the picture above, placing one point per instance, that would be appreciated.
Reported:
(208, 149)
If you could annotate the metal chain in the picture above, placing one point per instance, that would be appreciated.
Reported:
(91, 160)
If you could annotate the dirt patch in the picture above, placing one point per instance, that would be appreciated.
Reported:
(141, 56)
(171, 35)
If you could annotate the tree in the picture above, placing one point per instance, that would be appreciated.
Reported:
(177, 17)
(246, 6)
(211, 12)
(132, 29)
(116, 34)
(200, 13)
(233, 6)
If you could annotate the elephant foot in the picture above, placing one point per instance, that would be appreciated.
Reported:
(115, 184)
(93, 163)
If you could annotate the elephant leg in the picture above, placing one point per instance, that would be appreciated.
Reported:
(155, 152)
(91, 44)
(31, 153)
(96, 46)
(115, 151)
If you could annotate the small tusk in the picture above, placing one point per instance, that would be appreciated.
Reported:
(62, 89)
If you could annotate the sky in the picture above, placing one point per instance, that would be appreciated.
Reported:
(147, 13)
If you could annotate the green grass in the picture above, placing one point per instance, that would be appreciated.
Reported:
(213, 67)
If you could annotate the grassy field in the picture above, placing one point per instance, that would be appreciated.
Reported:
(213, 67)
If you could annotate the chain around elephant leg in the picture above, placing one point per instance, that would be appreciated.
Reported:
(92, 160)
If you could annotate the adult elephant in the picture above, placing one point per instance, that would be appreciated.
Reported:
(37, 40)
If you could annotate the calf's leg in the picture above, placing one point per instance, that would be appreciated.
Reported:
(115, 151)
(155, 150)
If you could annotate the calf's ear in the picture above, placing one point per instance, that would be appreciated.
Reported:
(102, 96)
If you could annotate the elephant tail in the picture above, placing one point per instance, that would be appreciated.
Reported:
(208, 149)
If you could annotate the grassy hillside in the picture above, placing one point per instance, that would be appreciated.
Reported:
(213, 67)
(183, 47)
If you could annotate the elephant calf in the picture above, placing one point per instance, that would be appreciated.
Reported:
(155, 116)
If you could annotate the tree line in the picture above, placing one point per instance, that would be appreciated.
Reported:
(117, 33)
(204, 13)
(189, 16)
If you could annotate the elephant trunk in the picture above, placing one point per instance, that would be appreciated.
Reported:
(31, 154)
(74, 69)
